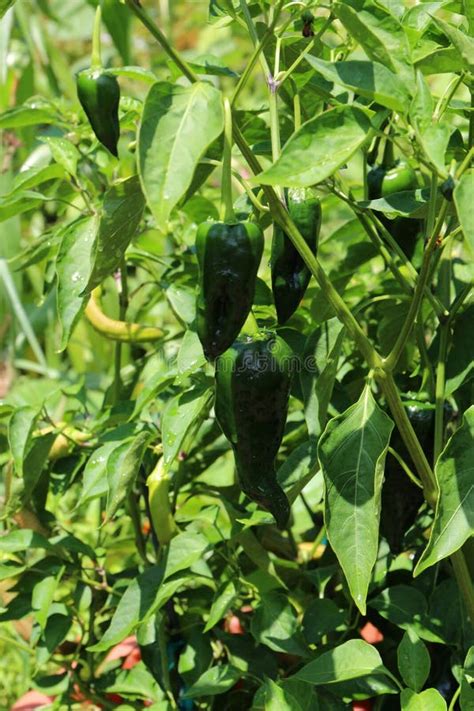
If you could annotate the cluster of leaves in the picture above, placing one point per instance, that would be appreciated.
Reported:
(233, 608)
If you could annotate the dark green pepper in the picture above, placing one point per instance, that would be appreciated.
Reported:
(401, 498)
(382, 182)
(253, 380)
(228, 256)
(290, 275)
(99, 94)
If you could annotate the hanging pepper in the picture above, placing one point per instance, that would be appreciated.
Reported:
(99, 94)
(159, 502)
(290, 275)
(253, 380)
(395, 176)
(228, 256)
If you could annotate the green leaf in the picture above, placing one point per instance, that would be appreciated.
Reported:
(321, 359)
(144, 596)
(43, 594)
(73, 268)
(406, 607)
(467, 682)
(64, 153)
(352, 453)
(30, 114)
(123, 465)
(462, 42)
(271, 697)
(223, 601)
(183, 551)
(321, 616)
(120, 217)
(428, 700)
(460, 364)
(20, 201)
(181, 414)
(117, 19)
(20, 435)
(463, 201)
(379, 33)
(298, 469)
(4, 6)
(369, 79)
(454, 520)
(319, 148)
(407, 203)
(352, 660)
(413, 660)
(274, 624)
(434, 140)
(94, 477)
(216, 680)
(136, 682)
(22, 540)
(178, 125)
(27, 179)
(422, 106)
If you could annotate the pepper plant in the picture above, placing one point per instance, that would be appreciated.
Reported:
(149, 156)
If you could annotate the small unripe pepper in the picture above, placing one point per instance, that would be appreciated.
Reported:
(228, 255)
(99, 94)
(253, 379)
(162, 518)
(290, 275)
(386, 179)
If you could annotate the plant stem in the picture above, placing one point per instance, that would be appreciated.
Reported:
(96, 56)
(464, 581)
(227, 208)
(392, 359)
(405, 468)
(253, 60)
(440, 387)
(154, 30)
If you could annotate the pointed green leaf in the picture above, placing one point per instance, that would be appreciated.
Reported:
(122, 210)
(369, 79)
(216, 680)
(123, 465)
(223, 601)
(181, 414)
(319, 148)
(352, 660)
(73, 268)
(454, 516)
(177, 126)
(352, 453)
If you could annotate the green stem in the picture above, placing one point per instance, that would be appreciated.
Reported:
(464, 581)
(227, 208)
(471, 119)
(405, 468)
(96, 56)
(454, 699)
(297, 111)
(440, 388)
(392, 359)
(288, 72)
(155, 31)
(252, 62)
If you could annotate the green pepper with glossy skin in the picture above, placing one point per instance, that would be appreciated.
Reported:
(253, 379)
(228, 255)
(384, 181)
(290, 275)
(99, 95)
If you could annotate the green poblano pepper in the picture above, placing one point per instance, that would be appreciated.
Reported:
(290, 275)
(228, 255)
(253, 379)
(99, 95)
